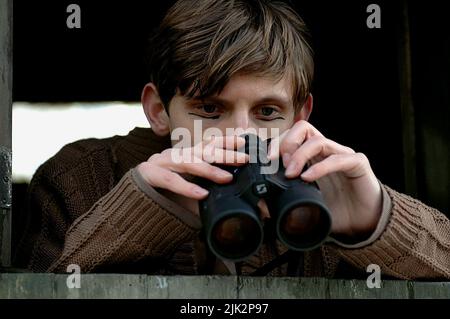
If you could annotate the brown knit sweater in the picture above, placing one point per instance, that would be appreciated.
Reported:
(87, 205)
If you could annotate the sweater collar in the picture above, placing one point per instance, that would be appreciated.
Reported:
(137, 147)
(144, 138)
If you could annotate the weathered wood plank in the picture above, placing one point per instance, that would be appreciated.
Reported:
(26, 286)
(431, 290)
(358, 289)
(119, 286)
(103, 286)
(282, 288)
(192, 287)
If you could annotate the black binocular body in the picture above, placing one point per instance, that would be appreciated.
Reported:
(231, 220)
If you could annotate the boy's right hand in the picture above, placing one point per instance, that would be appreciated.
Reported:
(164, 170)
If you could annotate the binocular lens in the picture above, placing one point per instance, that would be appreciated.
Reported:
(304, 226)
(236, 236)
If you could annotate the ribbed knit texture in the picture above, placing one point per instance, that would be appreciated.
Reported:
(123, 226)
(85, 208)
(414, 245)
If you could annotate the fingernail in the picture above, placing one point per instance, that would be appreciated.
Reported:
(286, 158)
(272, 153)
(242, 158)
(269, 153)
(306, 174)
(291, 170)
(201, 191)
(224, 174)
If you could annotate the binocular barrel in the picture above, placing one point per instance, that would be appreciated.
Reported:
(232, 227)
(303, 221)
(231, 218)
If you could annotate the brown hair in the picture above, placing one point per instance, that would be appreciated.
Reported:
(201, 44)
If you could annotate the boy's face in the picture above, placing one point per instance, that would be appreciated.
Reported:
(246, 102)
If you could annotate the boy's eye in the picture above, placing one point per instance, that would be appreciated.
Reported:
(209, 108)
(208, 111)
(267, 111)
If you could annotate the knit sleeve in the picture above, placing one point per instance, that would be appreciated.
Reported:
(123, 226)
(415, 243)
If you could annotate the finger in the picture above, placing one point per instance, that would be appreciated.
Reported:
(315, 146)
(229, 141)
(190, 165)
(273, 151)
(226, 142)
(213, 154)
(219, 142)
(296, 136)
(352, 165)
(204, 170)
(166, 179)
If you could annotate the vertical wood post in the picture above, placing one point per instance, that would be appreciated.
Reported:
(406, 102)
(6, 14)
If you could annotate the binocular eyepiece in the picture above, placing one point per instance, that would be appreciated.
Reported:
(231, 218)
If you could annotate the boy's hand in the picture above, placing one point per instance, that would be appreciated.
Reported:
(348, 184)
(164, 170)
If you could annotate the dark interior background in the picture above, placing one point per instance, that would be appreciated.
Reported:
(357, 86)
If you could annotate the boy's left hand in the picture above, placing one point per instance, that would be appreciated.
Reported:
(345, 178)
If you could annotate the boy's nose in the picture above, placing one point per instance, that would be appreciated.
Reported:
(241, 120)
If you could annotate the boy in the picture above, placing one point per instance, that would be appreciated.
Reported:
(124, 204)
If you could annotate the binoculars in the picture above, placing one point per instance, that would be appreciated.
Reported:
(230, 215)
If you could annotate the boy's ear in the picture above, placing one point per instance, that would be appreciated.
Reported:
(154, 110)
(306, 110)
